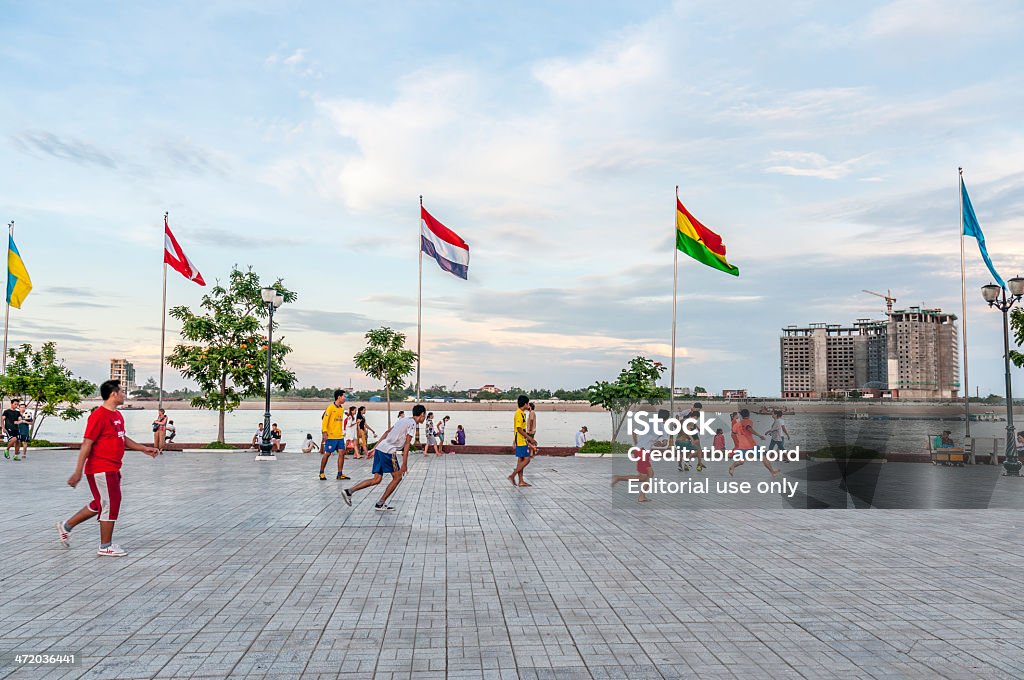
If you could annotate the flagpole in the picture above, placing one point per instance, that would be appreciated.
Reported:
(419, 303)
(7, 298)
(675, 285)
(163, 322)
(963, 300)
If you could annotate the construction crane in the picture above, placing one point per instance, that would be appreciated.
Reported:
(889, 299)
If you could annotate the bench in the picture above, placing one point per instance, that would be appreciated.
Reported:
(945, 455)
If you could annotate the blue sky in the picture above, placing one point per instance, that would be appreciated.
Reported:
(821, 139)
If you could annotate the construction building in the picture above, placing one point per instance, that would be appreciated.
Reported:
(123, 370)
(913, 354)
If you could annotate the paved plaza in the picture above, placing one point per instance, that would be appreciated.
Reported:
(239, 569)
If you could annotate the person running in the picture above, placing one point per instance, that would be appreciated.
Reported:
(521, 440)
(385, 458)
(275, 438)
(431, 437)
(332, 429)
(351, 434)
(691, 442)
(100, 458)
(745, 434)
(361, 429)
(777, 433)
(11, 416)
(734, 424)
(160, 429)
(646, 444)
(24, 430)
(309, 446)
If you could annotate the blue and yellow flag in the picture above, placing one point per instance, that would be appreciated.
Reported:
(19, 284)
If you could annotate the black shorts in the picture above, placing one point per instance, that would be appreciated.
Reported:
(12, 432)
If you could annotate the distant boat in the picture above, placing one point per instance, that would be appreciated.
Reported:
(986, 417)
(858, 415)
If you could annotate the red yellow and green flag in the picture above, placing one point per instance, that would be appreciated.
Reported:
(699, 242)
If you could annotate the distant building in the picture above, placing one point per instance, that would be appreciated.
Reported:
(683, 391)
(913, 354)
(123, 370)
(734, 394)
(491, 389)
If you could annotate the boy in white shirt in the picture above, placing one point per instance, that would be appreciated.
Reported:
(385, 458)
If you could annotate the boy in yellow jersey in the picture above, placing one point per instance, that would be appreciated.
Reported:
(522, 441)
(332, 427)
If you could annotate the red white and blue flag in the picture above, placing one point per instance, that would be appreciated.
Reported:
(444, 245)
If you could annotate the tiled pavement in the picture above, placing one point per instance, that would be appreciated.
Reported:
(239, 569)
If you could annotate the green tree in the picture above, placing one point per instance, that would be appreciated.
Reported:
(386, 358)
(44, 383)
(637, 383)
(226, 354)
(697, 389)
(1017, 331)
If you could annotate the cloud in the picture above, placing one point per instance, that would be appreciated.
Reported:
(232, 239)
(929, 19)
(613, 68)
(186, 156)
(63, 148)
(297, 62)
(810, 164)
(337, 322)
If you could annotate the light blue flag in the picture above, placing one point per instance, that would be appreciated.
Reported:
(972, 228)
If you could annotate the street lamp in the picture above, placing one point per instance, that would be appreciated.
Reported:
(271, 300)
(996, 296)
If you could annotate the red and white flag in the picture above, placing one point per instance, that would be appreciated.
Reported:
(176, 257)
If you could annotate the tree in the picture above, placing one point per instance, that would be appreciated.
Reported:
(226, 354)
(637, 383)
(150, 390)
(1017, 332)
(41, 380)
(697, 390)
(386, 358)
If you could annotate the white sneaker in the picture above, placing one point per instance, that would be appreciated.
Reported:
(63, 535)
(113, 550)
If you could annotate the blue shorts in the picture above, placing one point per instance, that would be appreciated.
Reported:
(522, 451)
(384, 462)
(332, 445)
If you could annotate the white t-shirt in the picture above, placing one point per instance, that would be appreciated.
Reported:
(350, 427)
(651, 440)
(581, 439)
(395, 441)
(775, 432)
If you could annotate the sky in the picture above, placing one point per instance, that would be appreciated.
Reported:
(820, 139)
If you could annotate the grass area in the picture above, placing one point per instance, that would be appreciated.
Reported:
(604, 446)
(218, 445)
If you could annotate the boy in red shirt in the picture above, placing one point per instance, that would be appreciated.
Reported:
(100, 459)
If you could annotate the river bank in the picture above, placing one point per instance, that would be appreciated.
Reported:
(869, 407)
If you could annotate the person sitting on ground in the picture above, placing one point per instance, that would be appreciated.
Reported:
(309, 446)
(171, 432)
(460, 436)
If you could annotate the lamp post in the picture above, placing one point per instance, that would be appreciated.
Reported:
(271, 300)
(997, 296)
